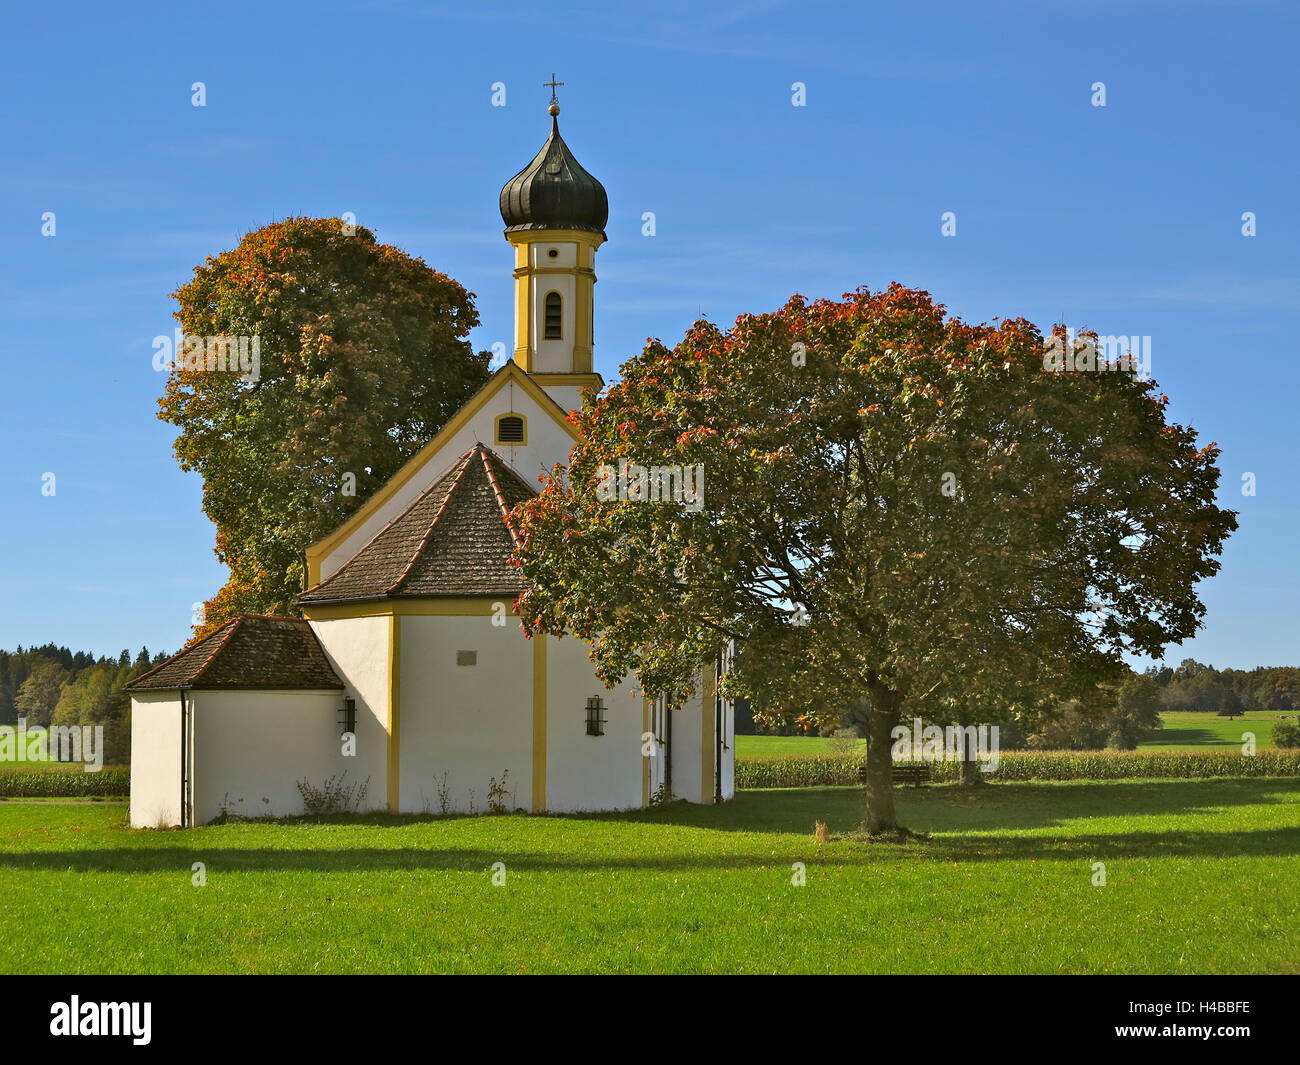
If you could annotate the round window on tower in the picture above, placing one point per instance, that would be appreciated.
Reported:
(554, 253)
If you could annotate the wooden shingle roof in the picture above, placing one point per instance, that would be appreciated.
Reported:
(248, 653)
(452, 541)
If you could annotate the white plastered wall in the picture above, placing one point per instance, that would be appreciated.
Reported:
(589, 772)
(567, 397)
(155, 759)
(553, 356)
(695, 747)
(251, 748)
(358, 648)
(471, 722)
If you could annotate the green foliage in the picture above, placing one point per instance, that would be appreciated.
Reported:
(895, 503)
(1286, 733)
(1230, 704)
(1137, 712)
(818, 771)
(56, 781)
(1196, 686)
(51, 685)
(363, 358)
(40, 692)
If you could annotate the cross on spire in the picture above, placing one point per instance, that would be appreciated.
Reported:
(553, 108)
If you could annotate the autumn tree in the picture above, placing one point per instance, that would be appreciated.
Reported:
(894, 502)
(319, 362)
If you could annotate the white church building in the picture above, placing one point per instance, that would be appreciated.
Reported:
(409, 670)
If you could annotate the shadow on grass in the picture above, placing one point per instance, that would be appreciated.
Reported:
(1189, 737)
(1136, 845)
(948, 808)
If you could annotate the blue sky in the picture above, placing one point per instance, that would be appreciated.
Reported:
(1125, 219)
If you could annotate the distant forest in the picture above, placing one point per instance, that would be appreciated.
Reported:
(52, 685)
(1194, 686)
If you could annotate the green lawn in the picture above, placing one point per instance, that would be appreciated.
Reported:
(1188, 730)
(1201, 877)
(1182, 730)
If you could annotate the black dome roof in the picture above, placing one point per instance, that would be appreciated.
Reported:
(554, 192)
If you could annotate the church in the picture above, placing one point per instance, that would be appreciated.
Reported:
(408, 678)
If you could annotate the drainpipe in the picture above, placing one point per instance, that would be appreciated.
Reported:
(717, 733)
(185, 761)
(668, 746)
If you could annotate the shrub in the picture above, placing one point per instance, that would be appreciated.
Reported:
(332, 797)
(1286, 732)
(498, 793)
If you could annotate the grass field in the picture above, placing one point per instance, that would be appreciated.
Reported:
(1182, 730)
(1201, 877)
(1188, 730)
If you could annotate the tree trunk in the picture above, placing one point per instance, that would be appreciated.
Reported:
(970, 769)
(880, 764)
(970, 774)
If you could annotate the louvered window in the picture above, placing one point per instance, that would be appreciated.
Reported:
(554, 330)
(510, 430)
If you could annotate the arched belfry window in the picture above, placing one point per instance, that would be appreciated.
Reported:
(554, 327)
(511, 429)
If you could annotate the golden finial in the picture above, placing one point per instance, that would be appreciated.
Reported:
(554, 108)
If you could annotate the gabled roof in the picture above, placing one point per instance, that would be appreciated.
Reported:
(248, 653)
(509, 374)
(452, 541)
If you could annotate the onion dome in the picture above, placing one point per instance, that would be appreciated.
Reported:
(553, 191)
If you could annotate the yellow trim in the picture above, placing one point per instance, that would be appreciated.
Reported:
(645, 759)
(539, 723)
(523, 347)
(554, 236)
(394, 713)
(584, 279)
(496, 430)
(589, 380)
(706, 736)
(510, 373)
(386, 608)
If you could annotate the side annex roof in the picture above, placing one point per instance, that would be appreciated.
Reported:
(247, 653)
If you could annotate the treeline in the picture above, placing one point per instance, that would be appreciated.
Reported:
(52, 685)
(1195, 686)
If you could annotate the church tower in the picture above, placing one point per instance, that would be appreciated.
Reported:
(555, 215)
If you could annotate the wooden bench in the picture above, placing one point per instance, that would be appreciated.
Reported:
(912, 773)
